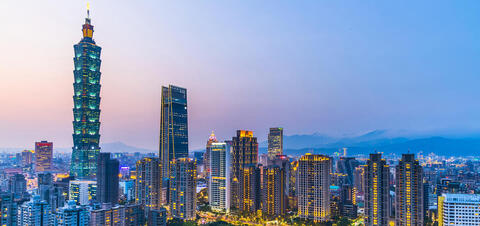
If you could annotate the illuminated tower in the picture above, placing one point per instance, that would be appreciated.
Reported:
(377, 195)
(314, 187)
(173, 126)
(219, 181)
(183, 185)
(244, 153)
(43, 155)
(409, 192)
(148, 183)
(86, 109)
(275, 142)
(206, 157)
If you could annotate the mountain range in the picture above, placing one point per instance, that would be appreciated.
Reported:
(377, 140)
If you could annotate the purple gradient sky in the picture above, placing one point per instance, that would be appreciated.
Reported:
(335, 67)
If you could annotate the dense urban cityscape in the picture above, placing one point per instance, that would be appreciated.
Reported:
(229, 183)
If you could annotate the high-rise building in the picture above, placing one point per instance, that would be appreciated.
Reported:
(183, 185)
(157, 217)
(35, 212)
(292, 187)
(173, 126)
(8, 209)
(134, 215)
(72, 215)
(346, 166)
(107, 179)
(377, 192)
(27, 157)
(276, 185)
(219, 180)
(127, 188)
(250, 197)
(107, 215)
(274, 191)
(148, 185)
(358, 179)
(409, 192)
(18, 186)
(275, 142)
(86, 101)
(206, 157)
(43, 155)
(458, 209)
(348, 201)
(82, 191)
(48, 192)
(244, 153)
(313, 190)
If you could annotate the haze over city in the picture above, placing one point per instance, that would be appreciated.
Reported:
(328, 67)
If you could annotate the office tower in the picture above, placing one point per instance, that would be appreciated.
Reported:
(18, 186)
(458, 209)
(134, 215)
(82, 191)
(346, 166)
(358, 179)
(377, 192)
(72, 215)
(183, 185)
(250, 197)
(219, 180)
(409, 192)
(149, 183)
(244, 153)
(35, 212)
(157, 217)
(313, 187)
(27, 157)
(275, 142)
(274, 187)
(348, 201)
(173, 126)
(206, 157)
(107, 179)
(8, 209)
(86, 101)
(43, 155)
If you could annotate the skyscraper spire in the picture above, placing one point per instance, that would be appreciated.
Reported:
(88, 10)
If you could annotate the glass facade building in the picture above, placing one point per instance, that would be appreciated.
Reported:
(275, 142)
(86, 109)
(173, 126)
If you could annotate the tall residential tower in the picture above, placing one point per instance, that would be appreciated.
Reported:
(377, 192)
(86, 109)
(409, 192)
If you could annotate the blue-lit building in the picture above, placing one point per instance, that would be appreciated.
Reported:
(86, 109)
(173, 126)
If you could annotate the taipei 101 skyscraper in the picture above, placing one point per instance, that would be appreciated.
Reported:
(86, 109)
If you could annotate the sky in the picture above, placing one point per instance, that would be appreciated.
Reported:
(332, 67)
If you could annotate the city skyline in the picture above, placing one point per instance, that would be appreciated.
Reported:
(313, 52)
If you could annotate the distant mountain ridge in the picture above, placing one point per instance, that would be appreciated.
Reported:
(382, 141)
